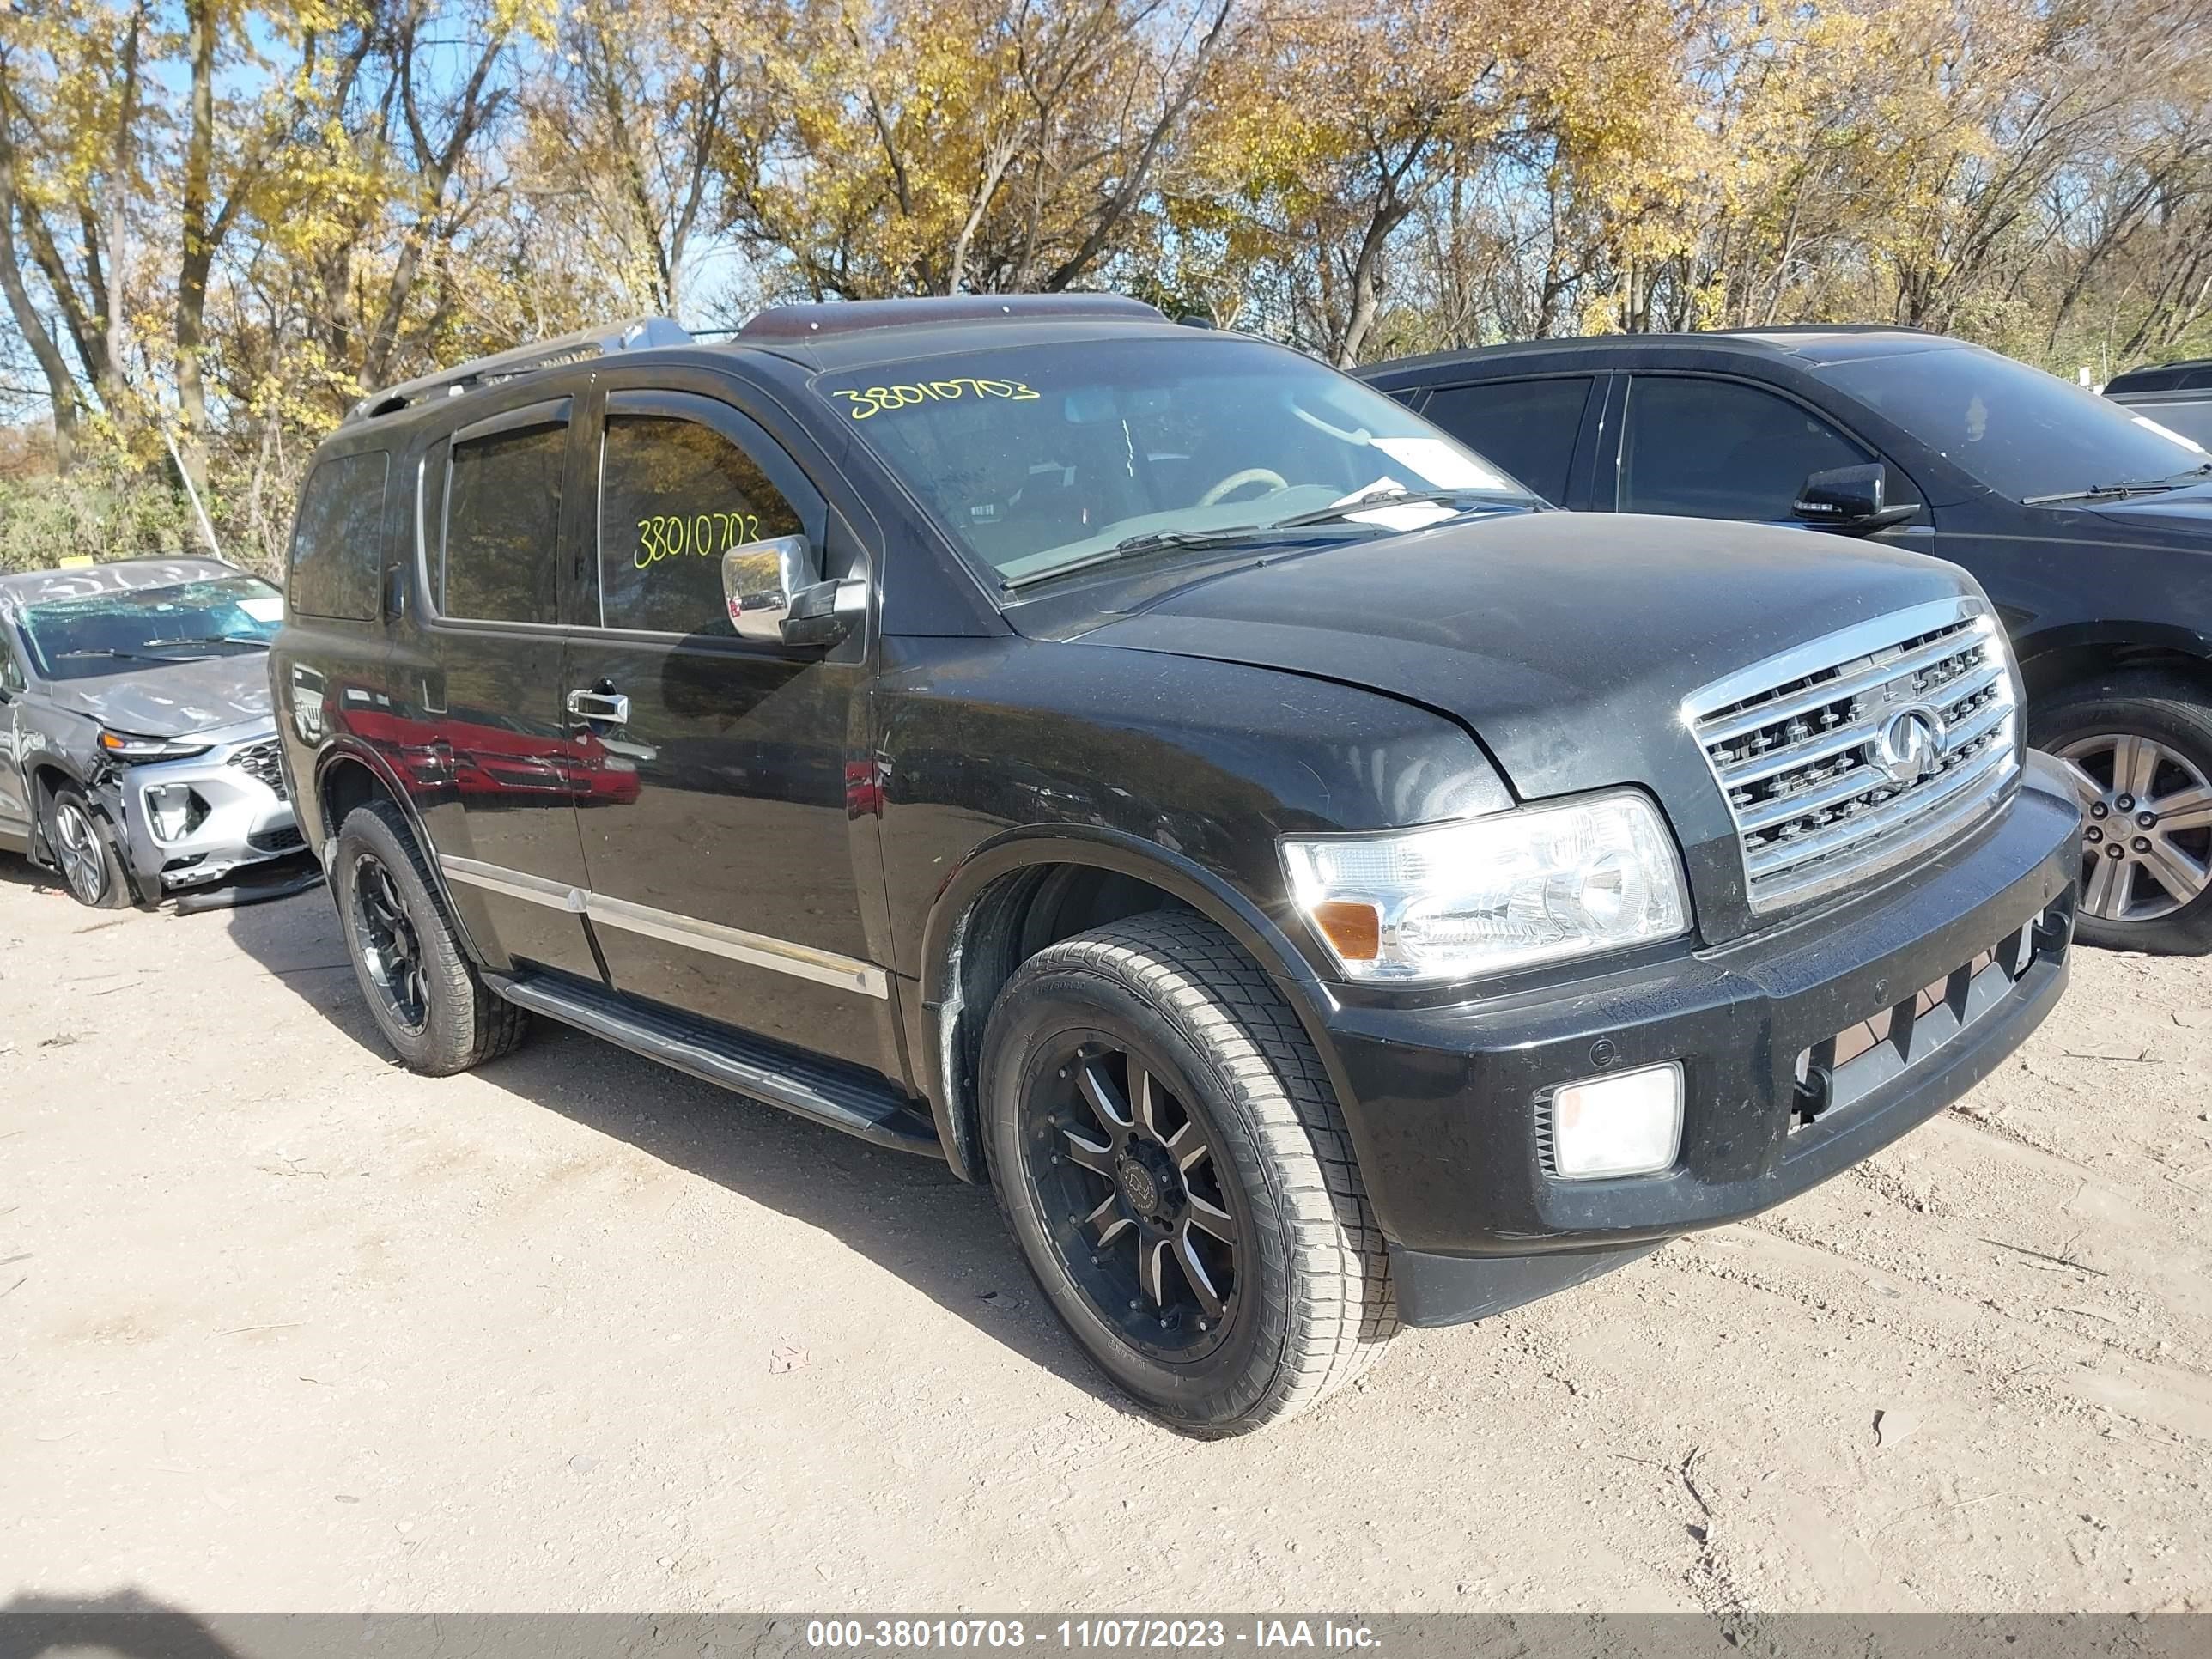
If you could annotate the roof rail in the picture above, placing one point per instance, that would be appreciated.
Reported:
(605, 339)
(1819, 328)
(813, 322)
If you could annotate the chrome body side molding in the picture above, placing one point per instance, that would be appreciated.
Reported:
(755, 949)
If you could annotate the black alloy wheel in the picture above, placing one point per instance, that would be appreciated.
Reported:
(1147, 1232)
(1178, 1176)
(429, 1002)
(391, 952)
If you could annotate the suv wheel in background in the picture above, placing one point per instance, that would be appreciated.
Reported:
(426, 997)
(2138, 747)
(1171, 1158)
(83, 850)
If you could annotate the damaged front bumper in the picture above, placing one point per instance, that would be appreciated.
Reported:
(190, 823)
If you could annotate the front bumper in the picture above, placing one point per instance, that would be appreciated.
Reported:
(189, 822)
(1786, 1082)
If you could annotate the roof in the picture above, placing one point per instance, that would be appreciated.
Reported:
(814, 322)
(839, 333)
(82, 581)
(1811, 342)
(2190, 375)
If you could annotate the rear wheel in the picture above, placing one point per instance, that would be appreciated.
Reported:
(2138, 748)
(429, 1001)
(1174, 1167)
(83, 850)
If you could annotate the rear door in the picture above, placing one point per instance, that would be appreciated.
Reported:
(489, 724)
(1535, 427)
(722, 837)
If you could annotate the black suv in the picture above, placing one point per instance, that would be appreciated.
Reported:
(2178, 396)
(1315, 884)
(2090, 528)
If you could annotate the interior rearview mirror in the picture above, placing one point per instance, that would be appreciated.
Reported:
(1849, 499)
(775, 594)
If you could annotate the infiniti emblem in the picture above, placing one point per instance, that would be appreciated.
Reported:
(1911, 746)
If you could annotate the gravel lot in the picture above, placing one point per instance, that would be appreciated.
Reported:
(284, 1327)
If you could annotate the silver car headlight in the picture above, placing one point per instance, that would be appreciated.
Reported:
(1458, 900)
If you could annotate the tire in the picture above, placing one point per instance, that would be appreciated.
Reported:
(2143, 737)
(82, 846)
(427, 998)
(1266, 1200)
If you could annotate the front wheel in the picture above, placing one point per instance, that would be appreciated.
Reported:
(1174, 1167)
(84, 851)
(2138, 748)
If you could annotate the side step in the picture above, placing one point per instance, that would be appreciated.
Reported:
(814, 1089)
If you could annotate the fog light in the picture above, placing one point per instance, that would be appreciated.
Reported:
(1630, 1124)
(169, 805)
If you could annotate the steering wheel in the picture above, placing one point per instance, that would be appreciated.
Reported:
(1250, 474)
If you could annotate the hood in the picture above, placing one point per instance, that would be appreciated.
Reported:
(2186, 510)
(1564, 641)
(174, 700)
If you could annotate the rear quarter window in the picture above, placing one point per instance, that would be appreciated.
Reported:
(338, 542)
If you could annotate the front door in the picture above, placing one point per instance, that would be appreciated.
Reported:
(718, 841)
(14, 797)
(1698, 445)
(491, 721)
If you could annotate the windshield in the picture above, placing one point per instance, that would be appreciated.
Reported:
(1040, 458)
(102, 632)
(2019, 431)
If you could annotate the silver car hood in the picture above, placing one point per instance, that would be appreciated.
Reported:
(172, 700)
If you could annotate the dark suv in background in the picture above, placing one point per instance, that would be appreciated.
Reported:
(2091, 530)
(1314, 883)
(2178, 396)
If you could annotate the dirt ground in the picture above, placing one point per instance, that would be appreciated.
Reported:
(284, 1327)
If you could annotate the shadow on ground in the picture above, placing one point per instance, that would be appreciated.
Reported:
(908, 1214)
(126, 1623)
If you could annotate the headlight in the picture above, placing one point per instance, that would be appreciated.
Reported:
(124, 746)
(1456, 900)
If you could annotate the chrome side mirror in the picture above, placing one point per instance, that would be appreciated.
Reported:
(776, 596)
(759, 581)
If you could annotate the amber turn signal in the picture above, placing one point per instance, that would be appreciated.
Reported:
(1356, 930)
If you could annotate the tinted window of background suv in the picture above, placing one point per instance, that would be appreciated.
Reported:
(338, 543)
(1720, 449)
(503, 527)
(1527, 427)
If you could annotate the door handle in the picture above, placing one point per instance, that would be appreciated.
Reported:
(605, 706)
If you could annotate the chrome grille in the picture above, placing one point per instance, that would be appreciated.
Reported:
(260, 761)
(1846, 755)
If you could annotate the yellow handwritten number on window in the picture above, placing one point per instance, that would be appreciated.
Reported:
(668, 535)
(879, 399)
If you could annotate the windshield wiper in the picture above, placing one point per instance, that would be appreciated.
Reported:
(2128, 487)
(107, 651)
(1400, 498)
(206, 639)
(1152, 541)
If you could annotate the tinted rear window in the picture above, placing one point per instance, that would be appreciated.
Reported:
(1527, 427)
(503, 522)
(337, 543)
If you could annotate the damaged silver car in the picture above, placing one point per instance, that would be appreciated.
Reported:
(137, 755)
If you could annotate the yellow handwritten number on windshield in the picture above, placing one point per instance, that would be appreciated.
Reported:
(880, 399)
(668, 535)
